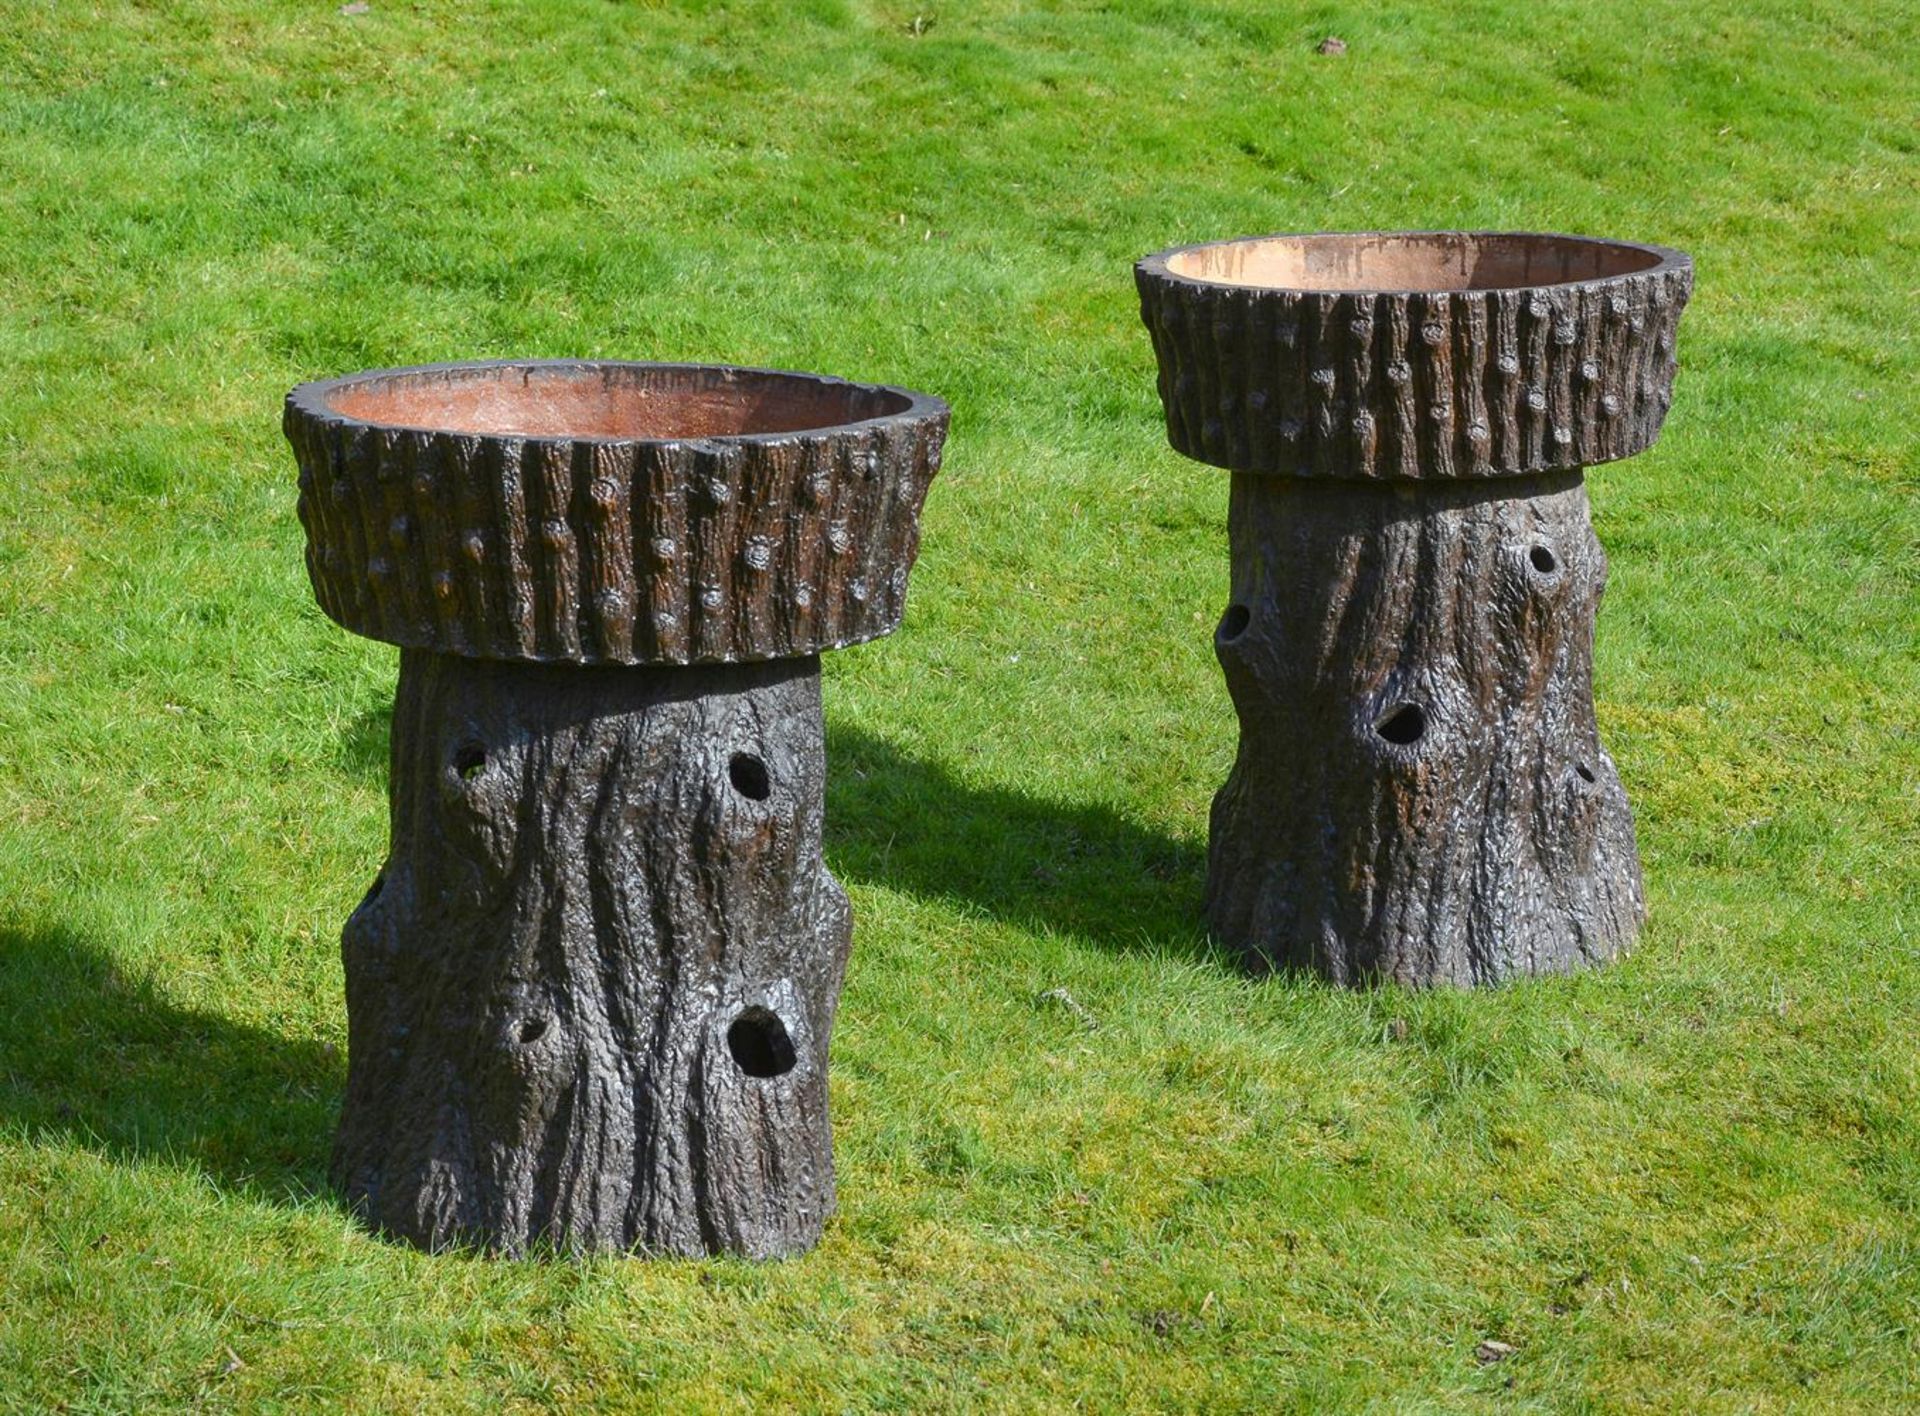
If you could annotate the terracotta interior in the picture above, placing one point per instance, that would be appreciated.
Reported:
(609, 401)
(1428, 261)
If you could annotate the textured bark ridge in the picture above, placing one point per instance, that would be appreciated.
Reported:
(1420, 793)
(590, 993)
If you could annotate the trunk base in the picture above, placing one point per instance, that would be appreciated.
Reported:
(590, 994)
(1420, 794)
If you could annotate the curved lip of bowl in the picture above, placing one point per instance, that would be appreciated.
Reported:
(314, 400)
(1665, 261)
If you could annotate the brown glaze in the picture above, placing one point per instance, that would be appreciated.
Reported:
(1386, 262)
(1421, 794)
(616, 401)
(590, 993)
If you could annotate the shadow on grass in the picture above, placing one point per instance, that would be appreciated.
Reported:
(364, 746)
(91, 1055)
(910, 825)
(1086, 870)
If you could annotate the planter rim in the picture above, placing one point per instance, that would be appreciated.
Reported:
(313, 400)
(1666, 260)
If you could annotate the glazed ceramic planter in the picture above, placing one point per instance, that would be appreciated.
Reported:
(1420, 792)
(590, 993)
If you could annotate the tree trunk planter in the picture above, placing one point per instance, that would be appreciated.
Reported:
(590, 993)
(1420, 793)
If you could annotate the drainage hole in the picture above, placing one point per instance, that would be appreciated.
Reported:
(1583, 772)
(749, 776)
(1234, 622)
(470, 761)
(532, 1030)
(1405, 724)
(759, 1043)
(1543, 559)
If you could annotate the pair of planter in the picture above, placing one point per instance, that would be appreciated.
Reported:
(590, 992)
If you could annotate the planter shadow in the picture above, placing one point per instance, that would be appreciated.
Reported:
(92, 1055)
(1086, 870)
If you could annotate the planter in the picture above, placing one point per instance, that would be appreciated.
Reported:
(1420, 792)
(590, 993)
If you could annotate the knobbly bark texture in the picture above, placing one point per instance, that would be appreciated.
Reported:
(1429, 385)
(590, 993)
(1420, 793)
(617, 549)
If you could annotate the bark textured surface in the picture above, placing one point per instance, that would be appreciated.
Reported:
(591, 991)
(1420, 793)
(614, 551)
(1439, 384)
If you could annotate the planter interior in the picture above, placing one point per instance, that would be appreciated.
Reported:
(610, 401)
(1412, 261)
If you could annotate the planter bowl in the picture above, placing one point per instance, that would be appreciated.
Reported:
(612, 513)
(1422, 354)
(591, 991)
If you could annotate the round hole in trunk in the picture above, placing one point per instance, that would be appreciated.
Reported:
(749, 776)
(760, 1045)
(1403, 724)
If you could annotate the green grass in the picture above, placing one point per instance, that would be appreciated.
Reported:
(1690, 1182)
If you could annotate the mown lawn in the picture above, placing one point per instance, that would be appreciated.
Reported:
(1690, 1182)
